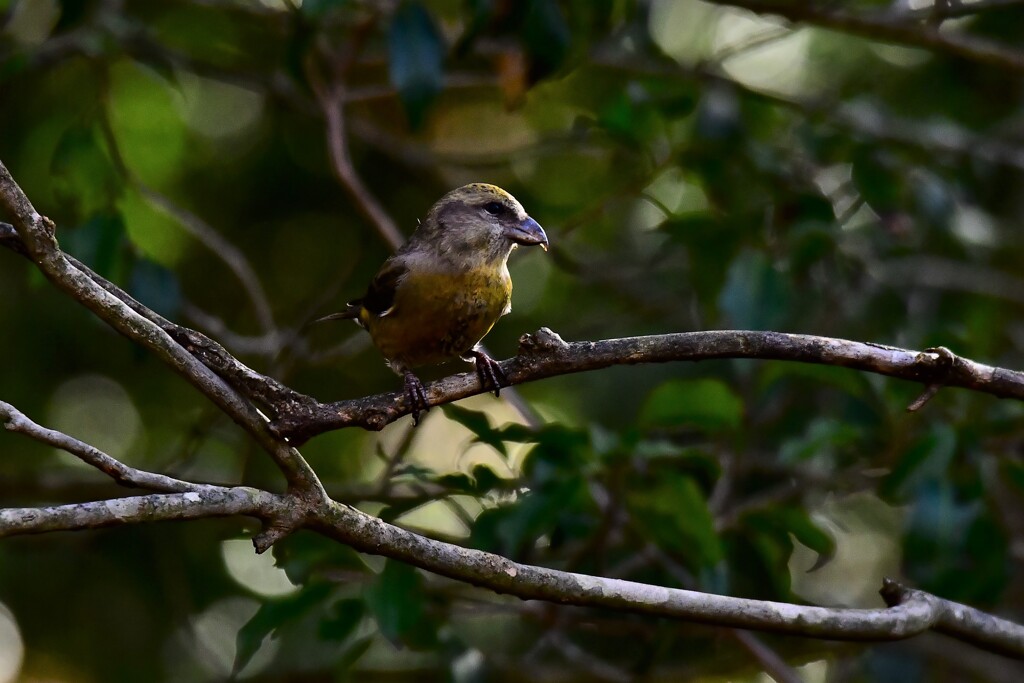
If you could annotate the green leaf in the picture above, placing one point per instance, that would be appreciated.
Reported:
(353, 653)
(823, 440)
(756, 296)
(344, 616)
(924, 463)
(397, 602)
(271, 615)
(478, 423)
(797, 522)
(788, 375)
(674, 511)
(417, 55)
(708, 404)
(561, 454)
(879, 178)
(82, 176)
(304, 556)
(559, 508)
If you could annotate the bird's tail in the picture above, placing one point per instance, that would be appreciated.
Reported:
(350, 313)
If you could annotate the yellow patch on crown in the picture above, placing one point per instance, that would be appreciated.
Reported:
(480, 191)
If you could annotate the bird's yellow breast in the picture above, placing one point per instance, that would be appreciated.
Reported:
(439, 315)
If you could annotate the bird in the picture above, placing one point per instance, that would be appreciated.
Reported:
(444, 289)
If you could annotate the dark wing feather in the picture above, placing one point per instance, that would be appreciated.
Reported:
(380, 296)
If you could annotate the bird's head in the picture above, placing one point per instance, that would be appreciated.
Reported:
(481, 220)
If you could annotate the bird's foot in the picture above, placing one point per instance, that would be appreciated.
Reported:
(415, 395)
(492, 377)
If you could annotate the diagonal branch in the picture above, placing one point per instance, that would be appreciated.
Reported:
(15, 421)
(332, 103)
(36, 236)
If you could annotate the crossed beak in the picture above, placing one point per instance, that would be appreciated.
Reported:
(528, 233)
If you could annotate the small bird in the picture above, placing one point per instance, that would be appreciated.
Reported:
(444, 289)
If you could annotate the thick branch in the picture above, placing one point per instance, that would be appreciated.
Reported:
(369, 534)
(911, 612)
(964, 623)
(544, 354)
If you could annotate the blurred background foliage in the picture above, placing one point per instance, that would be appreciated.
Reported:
(696, 166)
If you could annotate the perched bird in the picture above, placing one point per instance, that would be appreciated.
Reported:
(444, 289)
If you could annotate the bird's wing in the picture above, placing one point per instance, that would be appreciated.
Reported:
(380, 296)
(379, 299)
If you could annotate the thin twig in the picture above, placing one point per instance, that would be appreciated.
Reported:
(332, 104)
(17, 422)
(202, 231)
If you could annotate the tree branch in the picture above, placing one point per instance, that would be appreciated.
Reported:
(965, 623)
(544, 354)
(213, 501)
(889, 30)
(332, 104)
(919, 611)
(910, 611)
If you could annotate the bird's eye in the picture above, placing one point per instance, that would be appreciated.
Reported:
(494, 208)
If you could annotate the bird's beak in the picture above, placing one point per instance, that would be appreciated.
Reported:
(528, 233)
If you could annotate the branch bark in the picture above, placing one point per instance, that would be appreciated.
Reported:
(911, 613)
(544, 354)
(888, 29)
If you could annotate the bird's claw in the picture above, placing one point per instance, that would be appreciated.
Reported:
(492, 377)
(416, 396)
